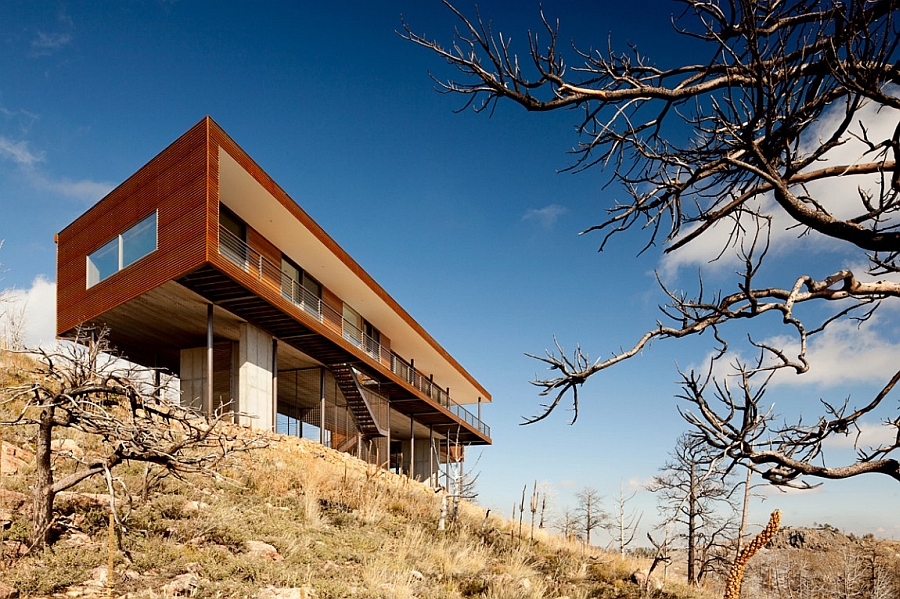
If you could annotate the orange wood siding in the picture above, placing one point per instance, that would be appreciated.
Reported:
(386, 344)
(175, 184)
(332, 299)
(264, 246)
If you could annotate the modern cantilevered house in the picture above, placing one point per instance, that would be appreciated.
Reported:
(201, 266)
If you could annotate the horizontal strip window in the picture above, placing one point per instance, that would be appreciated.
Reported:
(123, 251)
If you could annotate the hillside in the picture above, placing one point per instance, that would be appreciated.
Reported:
(292, 519)
(295, 519)
(302, 517)
(813, 563)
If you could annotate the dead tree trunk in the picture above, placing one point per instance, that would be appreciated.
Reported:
(44, 493)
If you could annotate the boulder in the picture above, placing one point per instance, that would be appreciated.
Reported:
(7, 592)
(14, 458)
(263, 550)
(67, 446)
(183, 584)
(640, 578)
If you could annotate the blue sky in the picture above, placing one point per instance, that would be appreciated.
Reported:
(461, 217)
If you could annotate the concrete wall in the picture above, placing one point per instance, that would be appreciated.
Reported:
(193, 377)
(243, 376)
(424, 465)
(254, 365)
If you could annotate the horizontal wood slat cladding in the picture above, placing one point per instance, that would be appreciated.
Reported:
(175, 183)
(263, 246)
(330, 298)
(212, 193)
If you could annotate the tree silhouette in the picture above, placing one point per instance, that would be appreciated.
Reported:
(768, 137)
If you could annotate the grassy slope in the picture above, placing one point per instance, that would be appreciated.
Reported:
(341, 529)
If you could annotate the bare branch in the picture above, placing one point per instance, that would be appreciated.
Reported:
(743, 136)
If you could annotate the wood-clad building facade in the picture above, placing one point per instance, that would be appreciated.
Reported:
(199, 264)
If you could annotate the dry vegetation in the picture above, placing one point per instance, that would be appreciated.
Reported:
(293, 519)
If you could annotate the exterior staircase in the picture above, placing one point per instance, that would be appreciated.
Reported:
(357, 401)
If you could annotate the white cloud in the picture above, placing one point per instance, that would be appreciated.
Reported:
(18, 152)
(46, 43)
(638, 484)
(85, 190)
(839, 195)
(26, 160)
(870, 435)
(846, 352)
(545, 216)
(36, 307)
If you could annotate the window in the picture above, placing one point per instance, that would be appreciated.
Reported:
(300, 288)
(123, 251)
(138, 241)
(352, 325)
(373, 340)
(290, 280)
(232, 237)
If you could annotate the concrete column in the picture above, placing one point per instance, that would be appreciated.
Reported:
(412, 448)
(322, 406)
(208, 399)
(255, 378)
(192, 375)
(274, 383)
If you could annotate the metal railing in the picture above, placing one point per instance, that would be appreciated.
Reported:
(269, 273)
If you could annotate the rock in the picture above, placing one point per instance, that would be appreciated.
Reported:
(263, 550)
(271, 592)
(6, 518)
(13, 458)
(7, 592)
(69, 501)
(13, 500)
(14, 548)
(193, 567)
(76, 539)
(183, 584)
(639, 577)
(191, 507)
(99, 576)
(67, 446)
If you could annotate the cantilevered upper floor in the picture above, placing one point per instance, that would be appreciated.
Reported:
(200, 244)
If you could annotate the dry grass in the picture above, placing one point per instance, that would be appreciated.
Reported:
(341, 528)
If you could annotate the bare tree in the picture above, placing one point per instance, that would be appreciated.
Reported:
(589, 512)
(695, 494)
(81, 386)
(747, 491)
(624, 523)
(567, 523)
(764, 134)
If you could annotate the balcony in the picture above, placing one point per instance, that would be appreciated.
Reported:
(272, 276)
